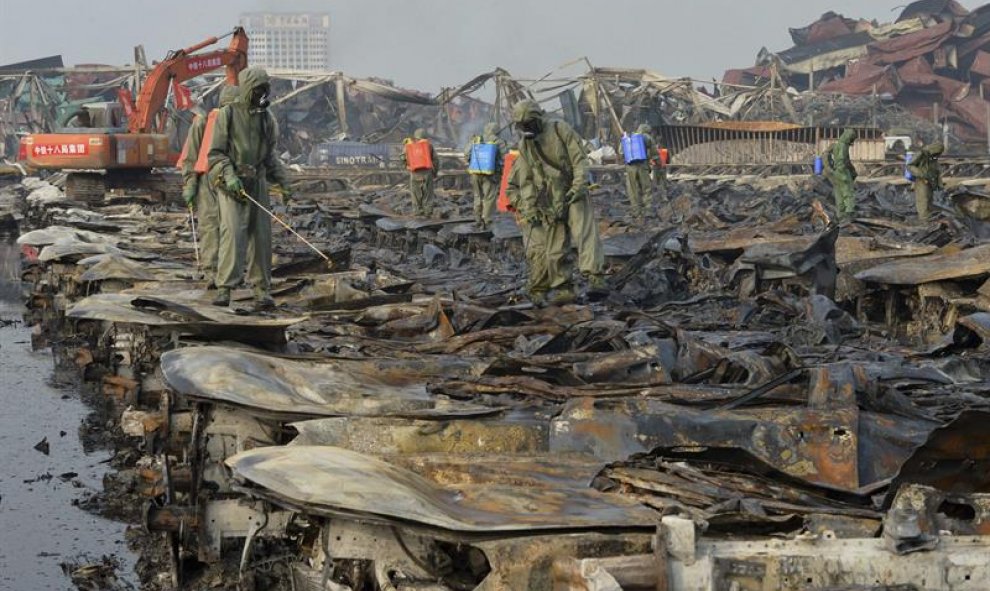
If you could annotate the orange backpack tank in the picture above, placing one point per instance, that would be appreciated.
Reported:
(503, 199)
(182, 155)
(418, 155)
(202, 159)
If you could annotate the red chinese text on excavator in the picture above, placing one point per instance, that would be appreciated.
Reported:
(101, 154)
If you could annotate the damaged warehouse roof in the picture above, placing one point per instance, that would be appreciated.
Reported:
(932, 62)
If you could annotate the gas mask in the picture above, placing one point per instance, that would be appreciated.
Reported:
(530, 128)
(259, 97)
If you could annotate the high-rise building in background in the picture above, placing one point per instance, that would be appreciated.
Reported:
(288, 40)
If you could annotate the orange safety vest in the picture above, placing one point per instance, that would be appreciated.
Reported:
(503, 199)
(202, 159)
(418, 155)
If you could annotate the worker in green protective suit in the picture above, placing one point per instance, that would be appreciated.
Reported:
(200, 196)
(485, 186)
(841, 173)
(421, 181)
(242, 159)
(927, 173)
(534, 238)
(639, 181)
(550, 187)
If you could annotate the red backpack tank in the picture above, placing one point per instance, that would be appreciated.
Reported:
(418, 155)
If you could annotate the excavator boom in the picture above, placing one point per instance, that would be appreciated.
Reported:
(183, 65)
(105, 157)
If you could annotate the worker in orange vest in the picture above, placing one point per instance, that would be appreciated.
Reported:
(421, 161)
(197, 191)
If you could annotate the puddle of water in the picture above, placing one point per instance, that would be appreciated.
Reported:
(39, 526)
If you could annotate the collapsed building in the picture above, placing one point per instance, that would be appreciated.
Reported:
(924, 75)
(334, 121)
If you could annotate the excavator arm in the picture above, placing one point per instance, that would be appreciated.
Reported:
(181, 65)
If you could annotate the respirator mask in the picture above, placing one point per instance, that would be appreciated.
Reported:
(530, 128)
(259, 97)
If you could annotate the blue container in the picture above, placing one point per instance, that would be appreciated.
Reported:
(908, 157)
(819, 166)
(634, 148)
(484, 158)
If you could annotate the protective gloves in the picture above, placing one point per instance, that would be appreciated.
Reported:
(234, 186)
(189, 196)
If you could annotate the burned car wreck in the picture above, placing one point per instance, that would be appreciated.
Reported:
(759, 402)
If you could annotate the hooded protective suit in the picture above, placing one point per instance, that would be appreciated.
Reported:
(486, 186)
(421, 181)
(639, 182)
(927, 177)
(840, 171)
(549, 188)
(243, 157)
(199, 194)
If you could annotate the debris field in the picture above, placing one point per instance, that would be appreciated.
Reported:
(762, 401)
(763, 397)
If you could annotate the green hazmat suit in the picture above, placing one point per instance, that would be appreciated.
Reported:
(549, 186)
(639, 181)
(534, 238)
(485, 186)
(205, 198)
(243, 148)
(842, 174)
(421, 181)
(927, 177)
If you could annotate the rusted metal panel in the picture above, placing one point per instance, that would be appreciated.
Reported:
(825, 446)
(955, 264)
(327, 479)
(182, 314)
(954, 459)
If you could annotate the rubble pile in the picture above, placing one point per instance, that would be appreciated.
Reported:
(763, 400)
(932, 62)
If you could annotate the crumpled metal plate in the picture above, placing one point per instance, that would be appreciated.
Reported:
(194, 317)
(326, 387)
(335, 480)
(515, 432)
(53, 234)
(954, 459)
(61, 250)
(114, 266)
(971, 262)
(840, 448)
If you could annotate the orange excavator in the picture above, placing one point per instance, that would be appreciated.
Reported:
(100, 153)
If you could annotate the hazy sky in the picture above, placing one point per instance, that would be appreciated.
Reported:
(426, 44)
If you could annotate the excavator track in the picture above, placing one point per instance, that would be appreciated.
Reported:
(92, 187)
(85, 187)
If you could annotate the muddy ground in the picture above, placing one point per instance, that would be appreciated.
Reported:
(45, 535)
